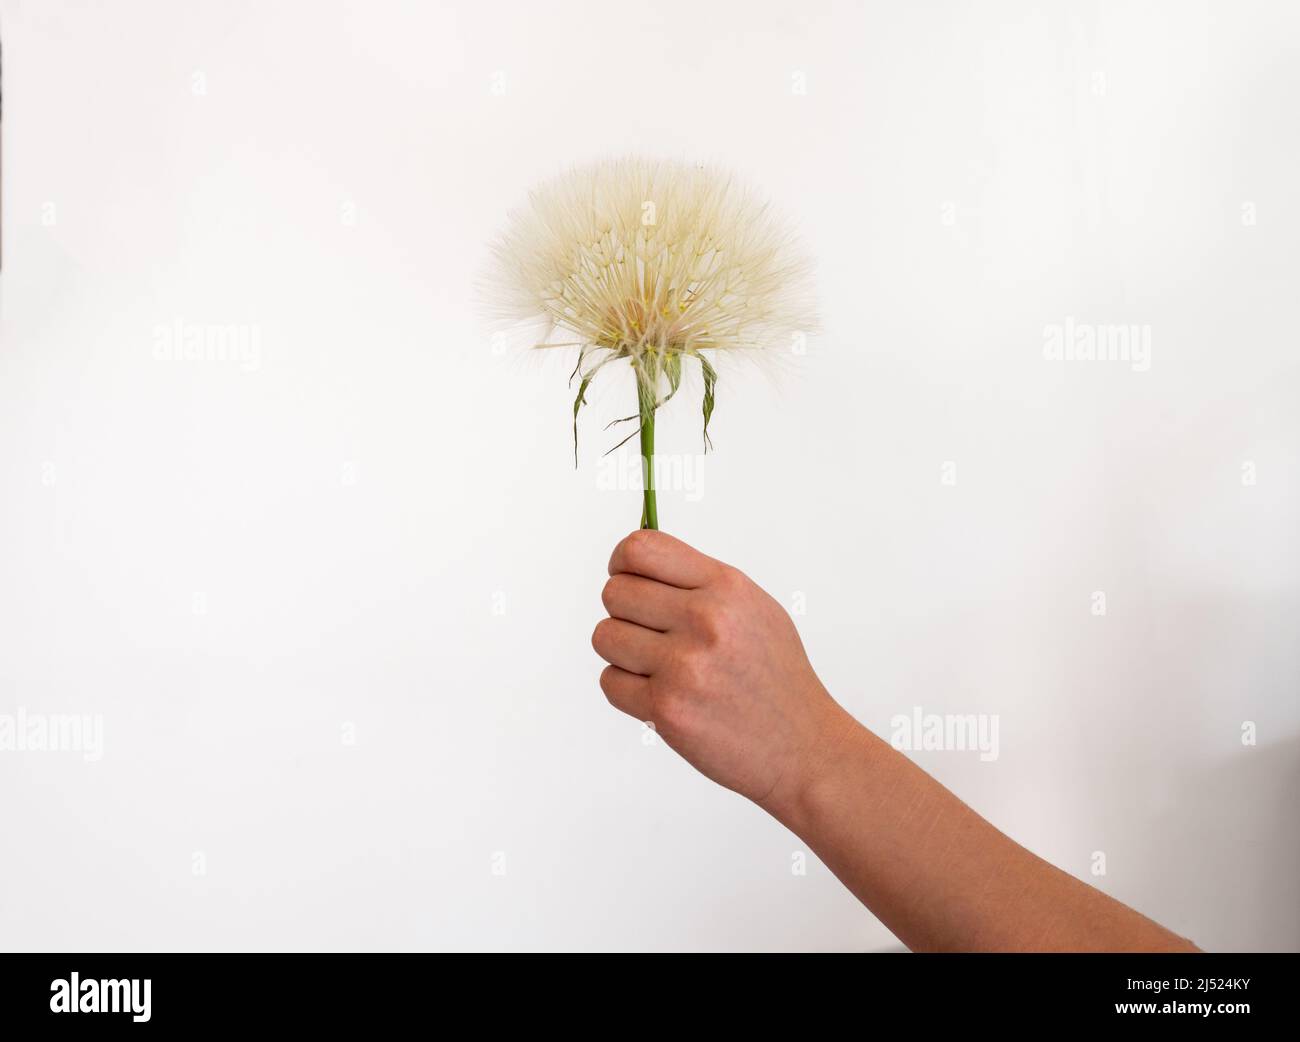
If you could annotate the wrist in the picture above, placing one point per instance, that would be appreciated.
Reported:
(826, 772)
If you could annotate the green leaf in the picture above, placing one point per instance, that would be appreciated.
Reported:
(710, 386)
(578, 403)
(673, 368)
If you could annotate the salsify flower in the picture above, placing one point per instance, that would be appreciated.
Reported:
(651, 262)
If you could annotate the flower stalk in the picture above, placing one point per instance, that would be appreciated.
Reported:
(646, 395)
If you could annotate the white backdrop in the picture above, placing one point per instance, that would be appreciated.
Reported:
(330, 593)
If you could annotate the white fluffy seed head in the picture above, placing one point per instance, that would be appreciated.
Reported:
(650, 259)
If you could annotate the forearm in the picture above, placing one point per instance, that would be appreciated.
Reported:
(935, 872)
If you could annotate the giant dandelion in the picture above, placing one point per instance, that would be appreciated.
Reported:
(657, 264)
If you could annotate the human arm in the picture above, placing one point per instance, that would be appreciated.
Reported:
(715, 663)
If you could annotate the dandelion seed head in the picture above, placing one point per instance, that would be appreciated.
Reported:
(645, 259)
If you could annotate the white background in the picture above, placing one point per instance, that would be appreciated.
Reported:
(374, 528)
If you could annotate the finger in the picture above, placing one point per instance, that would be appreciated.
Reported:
(658, 556)
(634, 598)
(627, 692)
(627, 645)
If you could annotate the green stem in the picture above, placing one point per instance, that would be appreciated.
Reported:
(645, 386)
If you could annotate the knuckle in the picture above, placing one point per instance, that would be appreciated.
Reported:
(607, 684)
(601, 635)
(636, 549)
(640, 539)
(704, 622)
(610, 590)
(710, 622)
(673, 714)
(690, 672)
(730, 580)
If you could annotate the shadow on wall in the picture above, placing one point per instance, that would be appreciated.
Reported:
(1241, 875)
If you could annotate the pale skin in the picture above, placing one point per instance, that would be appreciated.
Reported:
(715, 663)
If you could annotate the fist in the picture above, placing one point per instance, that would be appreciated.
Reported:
(715, 664)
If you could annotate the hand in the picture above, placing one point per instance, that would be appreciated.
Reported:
(715, 664)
